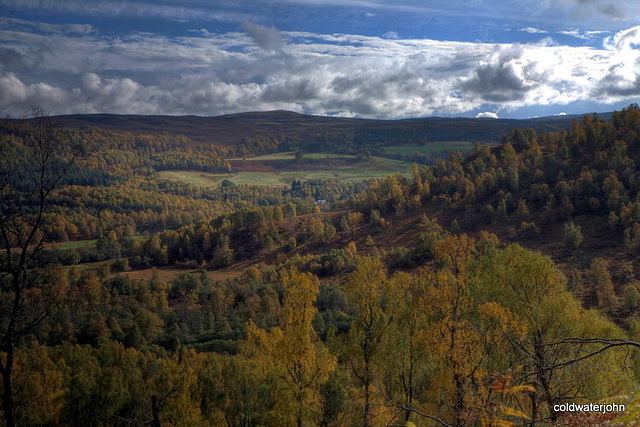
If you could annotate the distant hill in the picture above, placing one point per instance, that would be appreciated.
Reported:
(230, 129)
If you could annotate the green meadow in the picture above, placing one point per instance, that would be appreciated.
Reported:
(431, 148)
(378, 167)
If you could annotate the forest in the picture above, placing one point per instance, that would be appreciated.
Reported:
(484, 288)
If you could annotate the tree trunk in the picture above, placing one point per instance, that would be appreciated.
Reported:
(544, 377)
(155, 410)
(459, 402)
(534, 409)
(8, 404)
(7, 399)
(367, 405)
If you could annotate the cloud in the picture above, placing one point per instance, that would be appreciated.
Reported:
(622, 77)
(391, 35)
(268, 38)
(532, 30)
(583, 35)
(208, 73)
(604, 14)
(506, 77)
(180, 11)
(487, 114)
(14, 92)
(10, 58)
(608, 9)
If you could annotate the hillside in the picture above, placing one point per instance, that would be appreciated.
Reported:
(231, 129)
(260, 283)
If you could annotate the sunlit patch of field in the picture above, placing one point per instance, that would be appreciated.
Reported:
(430, 148)
(167, 274)
(349, 171)
(163, 274)
(75, 244)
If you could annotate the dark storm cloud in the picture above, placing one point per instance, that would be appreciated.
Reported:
(502, 80)
(296, 89)
(268, 38)
(614, 86)
(608, 9)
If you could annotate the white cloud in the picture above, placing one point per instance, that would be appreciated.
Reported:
(487, 114)
(532, 30)
(391, 35)
(210, 74)
(583, 35)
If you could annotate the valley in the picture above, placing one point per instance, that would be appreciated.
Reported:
(205, 258)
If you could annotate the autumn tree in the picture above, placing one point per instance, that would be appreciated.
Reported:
(572, 235)
(511, 162)
(234, 391)
(173, 388)
(362, 347)
(450, 308)
(602, 284)
(28, 175)
(532, 288)
(406, 344)
(294, 352)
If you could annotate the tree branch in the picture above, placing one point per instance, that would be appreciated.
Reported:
(415, 411)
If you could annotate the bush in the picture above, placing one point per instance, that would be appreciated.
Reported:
(572, 235)
(631, 297)
(374, 218)
(121, 264)
(427, 243)
(528, 230)
(399, 258)
(625, 273)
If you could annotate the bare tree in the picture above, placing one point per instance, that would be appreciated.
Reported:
(29, 172)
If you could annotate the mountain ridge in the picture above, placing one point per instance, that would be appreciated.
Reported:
(230, 129)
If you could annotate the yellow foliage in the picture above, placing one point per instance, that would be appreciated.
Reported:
(496, 412)
(293, 353)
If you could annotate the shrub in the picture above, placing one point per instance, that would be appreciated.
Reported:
(572, 235)
(121, 264)
(631, 297)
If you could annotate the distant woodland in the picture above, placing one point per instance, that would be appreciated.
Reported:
(477, 289)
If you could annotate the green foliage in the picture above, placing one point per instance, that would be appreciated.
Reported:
(602, 284)
(630, 298)
(267, 345)
(533, 289)
(572, 235)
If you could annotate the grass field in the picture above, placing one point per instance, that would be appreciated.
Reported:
(291, 155)
(166, 274)
(378, 168)
(201, 179)
(431, 148)
(76, 244)
(80, 243)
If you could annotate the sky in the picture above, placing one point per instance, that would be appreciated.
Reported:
(351, 58)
